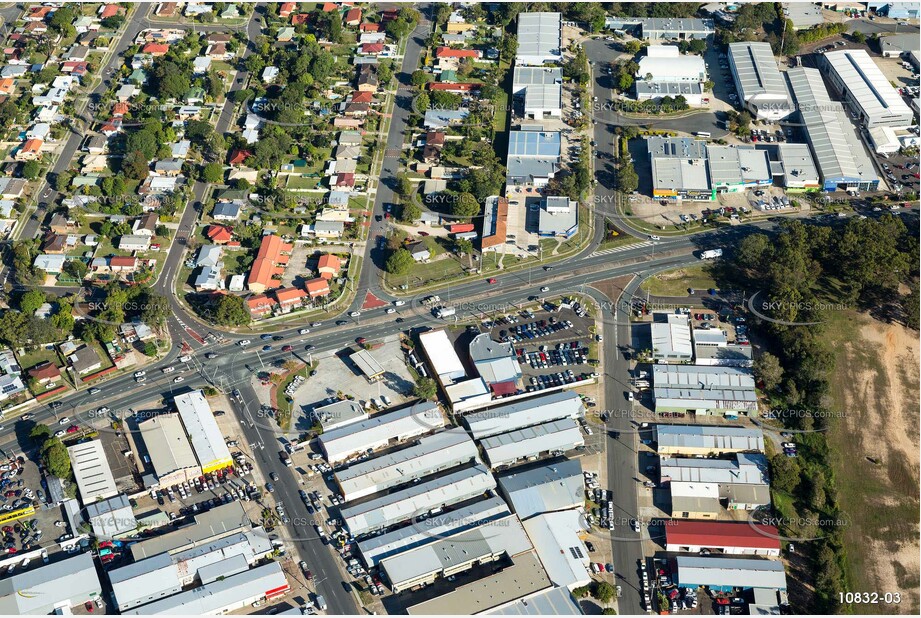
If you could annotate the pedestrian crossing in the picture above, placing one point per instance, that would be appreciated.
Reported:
(638, 245)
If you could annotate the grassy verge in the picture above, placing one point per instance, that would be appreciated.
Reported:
(676, 282)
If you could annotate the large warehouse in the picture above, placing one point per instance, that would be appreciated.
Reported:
(558, 542)
(417, 500)
(540, 90)
(731, 538)
(376, 548)
(707, 440)
(663, 28)
(671, 337)
(839, 154)
(168, 450)
(664, 63)
(531, 442)
(539, 39)
(734, 169)
(381, 430)
(495, 361)
(679, 168)
(552, 486)
(92, 471)
(204, 434)
(430, 454)
(52, 588)
(758, 81)
(502, 419)
(446, 364)
(488, 542)
(705, 390)
(726, 574)
(866, 91)
(533, 157)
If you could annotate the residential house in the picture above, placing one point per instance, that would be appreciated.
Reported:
(168, 167)
(54, 243)
(259, 306)
(146, 225)
(269, 264)
(226, 211)
(289, 299)
(84, 360)
(130, 242)
(46, 373)
(353, 17)
(329, 266)
(450, 52)
(30, 150)
(219, 234)
(317, 288)
(51, 264)
(367, 79)
(419, 251)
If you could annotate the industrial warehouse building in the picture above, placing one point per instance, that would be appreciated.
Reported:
(430, 454)
(557, 541)
(558, 217)
(376, 548)
(381, 430)
(712, 348)
(671, 337)
(706, 440)
(92, 472)
(545, 488)
(665, 64)
(111, 518)
(539, 39)
(488, 542)
(554, 437)
(742, 484)
(730, 538)
(205, 436)
(339, 414)
(693, 92)
(856, 77)
(222, 594)
(727, 574)
(525, 413)
(168, 450)
(679, 168)
(663, 28)
(798, 171)
(551, 602)
(52, 588)
(540, 91)
(837, 149)
(463, 393)
(758, 81)
(417, 500)
(738, 168)
(210, 526)
(496, 363)
(689, 389)
(533, 157)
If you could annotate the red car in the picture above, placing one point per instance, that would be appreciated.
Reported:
(492, 280)
(287, 348)
(89, 606)
(360, 340)
(73, 429)
(106, 544)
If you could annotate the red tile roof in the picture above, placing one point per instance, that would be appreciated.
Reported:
(360, 96)
(329, 265)
(317, 287)
(238, 156)
(109, 10)
(45, 371)
(259, 304)
(265, 269)
(286, 9)
(453, 86)
(353, 16)
(299, 18)
(369, 27)
(289, 295)
(372, 48)
(722, 534)
(119, 261)
(346, 179)
(458, 228)
(155, 48)
(219, 233)
(447, 52)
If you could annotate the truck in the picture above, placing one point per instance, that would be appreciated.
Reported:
(321, 602)
(444, 312)
(710, 254)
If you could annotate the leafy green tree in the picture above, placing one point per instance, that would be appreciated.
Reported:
(150, 349)
(31, 169)
(169, 79)
(40, 433)
(425, 389)
(627, 178)
(420, 78)
(31, 301)
(604, 592)
(13, 328)
(213, 172)
(785, 473)
(155, 309)
(56, 459)
(410, 212)
(231, 310)
(404, 185)
(76, 269)
(465, 206)
(768, 370)
(114, 22)
(399, 262)
(135, 166)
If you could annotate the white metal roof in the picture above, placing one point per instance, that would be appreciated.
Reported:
(704, 387)
(757, 75)
(552, 602)
(746, 470)
(445, 362)
(47, 589)
(167, 444)
(798, 166)
(539, 38)
(531, 76)
(201, 427)
(713, 437)
(551, 486)
(377, 431)
(673, 69)
(92, 471)
(559, 435)
(869, 87)
(417, 500)
(738, 165)
(562, 552)
(735, 572)
(536, 410)
(671, 334)
(428, 455)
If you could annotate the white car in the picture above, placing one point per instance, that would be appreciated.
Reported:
(244, 343)
(64, 421)
(386, 400)
(355, 314)
(169, 369)
(60, 433)
(654, 237)
(545, 289)
(399, 303)
(391, 310)
(303, 331)
(138, 374)
(140, 379)
(185, 359)
(178, 380)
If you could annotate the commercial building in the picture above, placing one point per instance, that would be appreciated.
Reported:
(339, 414)
(91, 471)
(804, 15)
(728, 574)
(671, 337)
(491, 541)
(741, 483)
(494, 361)
(533, 157)
(168, 450)
(550, 602)
(695, 500)
(896, 10)
(730, 538)
(210, 526)
(545, 488)
(205, 436)
(144, 582)
(693, 92)
(222, 595)
(797, 170)
(428, 455)
(856, 77)
(525, 413)
(381, 430)
(495, 224)
(837, 149)
(664, 63)
(734, 169)
(471, 394)
(758, 80)
(524, 577)
(554, 437)
(679, 168)
(557, 541)
(712, 348)
(539, 39)
(558, 217)
(428, 530)
(707, 440)
(687, 389)
(368, 365)
(51, 588)
(897, 45)
(417, 500)
(540, 91)
(111, 518)
(663, 28)
(446, 365)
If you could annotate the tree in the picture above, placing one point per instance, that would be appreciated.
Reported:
(420, 78)
(169, 79)
(784, 473)
(155, 309)
(40, 433)
(627, 178)
(609, 611)
(14, 328)
(859, 37)
(134, 165)
(465, 206)
(213, 173)
(31, 169)
(463, 245)
(755, 251)
(56, 459)
(410, 213)
(76, 269)
(425, 388)
(633, 47)
(31, 301)
(113, 22)
(231, 310)
(404, 185)
(768, 370)
(604, 592)
(399, 262)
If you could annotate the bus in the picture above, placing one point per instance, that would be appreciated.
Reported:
(702, 134)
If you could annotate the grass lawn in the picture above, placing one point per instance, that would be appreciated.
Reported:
(676, 282)
(301, 182)
(499, 119)
(33, 358)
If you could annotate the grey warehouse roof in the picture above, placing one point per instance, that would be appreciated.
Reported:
(552, 602)
(866, 82)
(747, 469)
(717, 438)
(539, 37)
(735, 572)
(420, 418)
(548, 487)
(73, 580)
(520, 414)
(536, 144)
(534, 76)
(704, 387)
(757, 74)
(559, 435)
(417, 500)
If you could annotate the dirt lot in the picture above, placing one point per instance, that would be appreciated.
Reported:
(876, 384)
